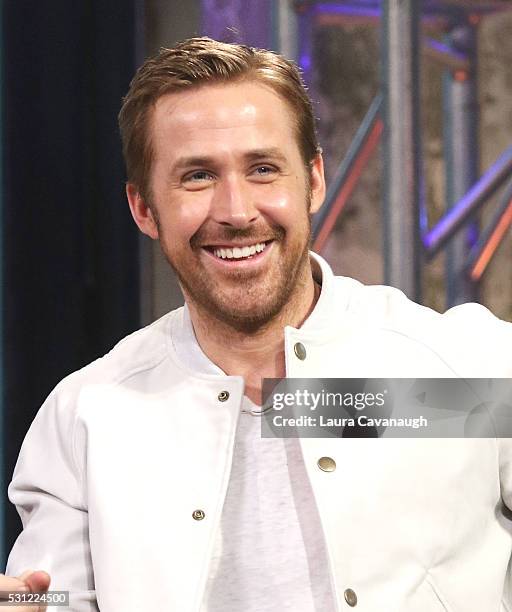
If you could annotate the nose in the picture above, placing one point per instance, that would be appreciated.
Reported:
(233, 203)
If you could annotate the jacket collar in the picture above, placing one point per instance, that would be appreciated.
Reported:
(333, 300)
(331, 304)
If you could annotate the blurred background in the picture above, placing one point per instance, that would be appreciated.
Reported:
(414, 111)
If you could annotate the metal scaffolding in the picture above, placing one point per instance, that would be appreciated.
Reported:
(394, 114)
(402, 172)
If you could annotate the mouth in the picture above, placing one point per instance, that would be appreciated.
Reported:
(238, 253)
(241, 255)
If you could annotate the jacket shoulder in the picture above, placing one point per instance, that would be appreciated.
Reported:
(389, 305)
(381, 305)
(467, 333)
(137, 352)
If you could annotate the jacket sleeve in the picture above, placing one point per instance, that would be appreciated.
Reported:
(502, 349)
(48, 490)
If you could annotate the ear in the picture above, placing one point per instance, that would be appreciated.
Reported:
(141, 212)
(317, 182)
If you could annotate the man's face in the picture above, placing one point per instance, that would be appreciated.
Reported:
(230, 199)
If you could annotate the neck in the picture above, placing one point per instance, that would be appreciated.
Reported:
(259, 354)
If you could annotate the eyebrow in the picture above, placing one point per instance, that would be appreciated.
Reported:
(249, 156)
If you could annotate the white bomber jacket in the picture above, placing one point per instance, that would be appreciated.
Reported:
(124, 451)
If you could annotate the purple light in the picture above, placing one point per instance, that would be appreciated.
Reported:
(305, 62)
(472, 235)
(344, 9)
(468, 204)
(446, 50)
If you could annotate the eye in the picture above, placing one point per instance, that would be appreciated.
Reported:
(264, 172)
(198, 176)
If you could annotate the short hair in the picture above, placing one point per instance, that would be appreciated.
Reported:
(199, 61)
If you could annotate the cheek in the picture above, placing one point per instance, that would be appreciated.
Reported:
(285, 206)
(183, 219)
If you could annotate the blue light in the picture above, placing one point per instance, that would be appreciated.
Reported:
(305, 61)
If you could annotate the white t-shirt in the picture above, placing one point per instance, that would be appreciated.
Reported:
(269, 554)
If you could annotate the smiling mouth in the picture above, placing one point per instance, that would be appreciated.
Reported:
(238, 253)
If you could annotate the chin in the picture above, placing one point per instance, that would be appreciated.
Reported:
(247, 320)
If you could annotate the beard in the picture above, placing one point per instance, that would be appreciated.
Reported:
(244, 300)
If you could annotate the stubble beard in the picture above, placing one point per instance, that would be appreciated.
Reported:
(246, 302)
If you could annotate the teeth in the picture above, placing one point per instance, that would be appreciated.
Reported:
(237, 253)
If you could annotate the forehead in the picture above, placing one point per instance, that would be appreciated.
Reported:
(221, 117)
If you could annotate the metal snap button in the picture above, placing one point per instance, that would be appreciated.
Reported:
(326, 464)
(350, 597)
(223, 396)
(198, 515)
(300, 351)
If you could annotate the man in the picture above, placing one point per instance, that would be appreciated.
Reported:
(144, 482)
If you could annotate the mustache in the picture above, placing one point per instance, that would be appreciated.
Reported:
(228, 234)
